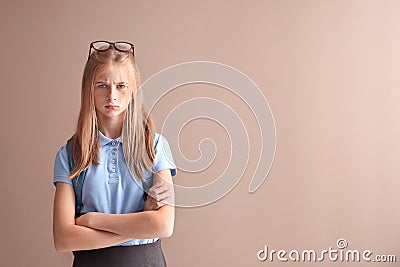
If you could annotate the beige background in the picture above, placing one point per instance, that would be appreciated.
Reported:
(329, 69)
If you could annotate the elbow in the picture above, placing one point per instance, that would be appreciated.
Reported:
(60, 243)
(167, 232)
(166, 222)
(166, 228)
(60, 247)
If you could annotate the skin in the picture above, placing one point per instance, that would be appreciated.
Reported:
(112, 94)
(95, 230)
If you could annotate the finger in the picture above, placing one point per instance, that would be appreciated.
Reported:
(160, 190)
(159, 205)
(158, 183)
(155, 186)
(164, 196)
(155, 191)
(161, 183)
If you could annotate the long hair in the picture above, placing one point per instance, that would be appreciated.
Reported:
(137, 129)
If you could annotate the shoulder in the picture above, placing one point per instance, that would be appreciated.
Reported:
(156, 136)
(61, 166)
(156, 139)
(163, 155)
(62, 153)
(159, 140)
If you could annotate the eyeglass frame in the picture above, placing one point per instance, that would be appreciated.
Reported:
(110, 44)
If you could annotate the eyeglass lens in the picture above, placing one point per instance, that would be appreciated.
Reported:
(122, 46)
(102, 46)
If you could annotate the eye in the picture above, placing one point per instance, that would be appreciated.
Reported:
(121, 86)
(101, 85)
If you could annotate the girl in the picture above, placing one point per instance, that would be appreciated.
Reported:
(116, 144)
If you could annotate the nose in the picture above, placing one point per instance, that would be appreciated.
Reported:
(112, 93)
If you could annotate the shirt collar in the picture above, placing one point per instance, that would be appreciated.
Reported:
(104, 140)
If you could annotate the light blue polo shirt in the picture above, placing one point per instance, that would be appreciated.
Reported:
(109, 187)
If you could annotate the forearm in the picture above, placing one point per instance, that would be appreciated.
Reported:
(142, 225)
(76, 237)
(67, 234)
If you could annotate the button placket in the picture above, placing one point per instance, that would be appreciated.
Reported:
(113, 163)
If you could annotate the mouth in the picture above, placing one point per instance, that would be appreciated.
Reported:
(112, 107)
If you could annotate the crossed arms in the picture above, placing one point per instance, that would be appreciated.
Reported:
(95, 230)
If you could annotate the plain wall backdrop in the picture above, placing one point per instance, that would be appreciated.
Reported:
(329, 70)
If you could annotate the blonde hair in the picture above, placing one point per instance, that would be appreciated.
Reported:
(137, 129)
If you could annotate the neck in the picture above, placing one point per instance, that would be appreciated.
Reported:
(110, 127)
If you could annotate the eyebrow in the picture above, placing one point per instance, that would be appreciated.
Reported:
(114, 83)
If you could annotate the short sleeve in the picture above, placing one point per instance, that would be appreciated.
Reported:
(61, 168)
(163, 158)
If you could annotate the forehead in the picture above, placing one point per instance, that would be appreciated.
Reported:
(114, 72)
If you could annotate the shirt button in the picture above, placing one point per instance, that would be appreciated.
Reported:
(113, 170)
(113, 161)
(113, 143)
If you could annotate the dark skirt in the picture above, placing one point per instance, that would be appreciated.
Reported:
(147, 255)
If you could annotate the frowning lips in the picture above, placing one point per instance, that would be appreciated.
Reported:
(113, 107)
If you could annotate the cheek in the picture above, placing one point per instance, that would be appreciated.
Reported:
(126, 96)
(96, 97)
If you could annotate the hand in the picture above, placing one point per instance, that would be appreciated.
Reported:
(158, 192)
(84, 220)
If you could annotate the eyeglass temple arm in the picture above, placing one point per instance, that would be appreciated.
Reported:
(90, 50)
